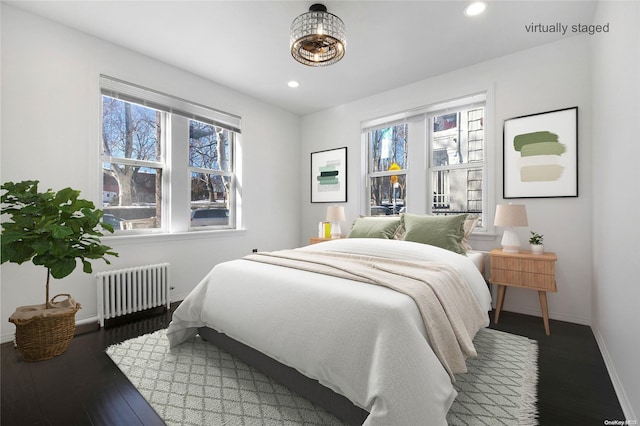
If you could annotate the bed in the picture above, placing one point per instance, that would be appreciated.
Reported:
(361, 351)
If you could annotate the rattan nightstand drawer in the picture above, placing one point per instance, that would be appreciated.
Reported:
(525, 270)
(534, 266)
(523, 279)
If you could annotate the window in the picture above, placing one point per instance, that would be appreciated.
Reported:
(447, 142)
(387, 168)
(456, 146)
(210, 174)
(167, 165)
(132, 164)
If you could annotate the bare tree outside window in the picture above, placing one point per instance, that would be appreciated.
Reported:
(388, 165)
(138, 171)
(210, 166)
(453, 133)
(132, 163)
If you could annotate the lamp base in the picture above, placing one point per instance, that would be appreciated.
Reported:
(510, 241)
(336, 232)
(510, 249)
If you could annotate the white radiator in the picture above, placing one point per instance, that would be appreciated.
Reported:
(125, 291)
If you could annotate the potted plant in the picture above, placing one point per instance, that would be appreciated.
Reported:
(54, 230)
(536, 243)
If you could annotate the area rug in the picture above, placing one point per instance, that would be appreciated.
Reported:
(198, 384)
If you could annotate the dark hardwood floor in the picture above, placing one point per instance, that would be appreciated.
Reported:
(84, 387)
(574, 387)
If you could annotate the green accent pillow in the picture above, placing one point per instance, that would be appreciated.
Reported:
(441, 231)
(374, 227)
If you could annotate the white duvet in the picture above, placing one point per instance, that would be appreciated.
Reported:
(364, 341)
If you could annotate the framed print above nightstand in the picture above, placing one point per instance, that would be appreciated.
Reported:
(329, 176)
(540, 157)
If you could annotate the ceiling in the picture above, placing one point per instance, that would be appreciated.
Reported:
(245, 44)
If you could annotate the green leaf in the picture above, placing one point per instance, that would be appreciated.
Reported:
(107, 226)
(21, 253)
(10, 235)
(8, 252)
(41, 247)
(65, 195)
(63, 267)
(62, 232)
(86, 267)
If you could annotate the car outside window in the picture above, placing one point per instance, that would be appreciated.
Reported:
(138, 168)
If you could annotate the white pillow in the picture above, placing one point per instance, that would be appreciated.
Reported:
(469, 225)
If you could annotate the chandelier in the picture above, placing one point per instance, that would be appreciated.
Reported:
(317, 37)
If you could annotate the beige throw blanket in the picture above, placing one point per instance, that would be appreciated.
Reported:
(449, 310)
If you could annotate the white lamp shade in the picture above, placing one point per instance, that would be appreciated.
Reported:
(511, 215)
(335, 214)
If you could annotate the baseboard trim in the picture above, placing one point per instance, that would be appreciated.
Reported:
(89, 320)
(87, 325)
(552, 315)
(84, 325)
(625, 404)
(536, 312)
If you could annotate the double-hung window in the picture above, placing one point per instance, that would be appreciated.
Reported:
(447, 142)
(387, 167)
(457, 160)
(133, 164)
(167, 164)
(211, 174)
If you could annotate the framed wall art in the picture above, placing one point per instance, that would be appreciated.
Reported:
(329, 176)
(541, 155)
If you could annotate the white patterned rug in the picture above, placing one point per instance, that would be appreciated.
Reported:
(198, 384)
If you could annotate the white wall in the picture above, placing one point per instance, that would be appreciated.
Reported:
(541, 79)
(616, 198)
(50, 131)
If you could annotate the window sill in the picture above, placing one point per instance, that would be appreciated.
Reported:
(167, 237)
(483, 236)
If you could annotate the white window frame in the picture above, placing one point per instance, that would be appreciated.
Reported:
(176, 199)
(460, 105)
(366, 134)
(420, 129)
(232, 189)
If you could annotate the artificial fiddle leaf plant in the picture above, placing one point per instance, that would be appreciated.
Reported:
(535, 238)
(52, 229)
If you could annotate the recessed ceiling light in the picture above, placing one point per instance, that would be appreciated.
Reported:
(475, 8)
(293, 83)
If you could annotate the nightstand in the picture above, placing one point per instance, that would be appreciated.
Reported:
(524, 270)
(314, 240)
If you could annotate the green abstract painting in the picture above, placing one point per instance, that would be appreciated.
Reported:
(540, 155)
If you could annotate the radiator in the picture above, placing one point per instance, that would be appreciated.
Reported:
(126, 291)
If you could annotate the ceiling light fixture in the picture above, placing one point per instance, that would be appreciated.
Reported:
(293, 84)
(317, 37)
(475, 8)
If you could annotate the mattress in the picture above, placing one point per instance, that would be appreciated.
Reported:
(477, 258)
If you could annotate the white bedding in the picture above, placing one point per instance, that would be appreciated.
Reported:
(365, 342)
(478, 259)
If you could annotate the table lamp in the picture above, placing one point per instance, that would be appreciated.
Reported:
(509, 216)
(335, 215)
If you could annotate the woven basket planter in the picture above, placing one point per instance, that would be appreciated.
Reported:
(45, 333)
